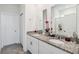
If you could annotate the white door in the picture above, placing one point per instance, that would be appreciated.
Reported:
(0, 34)
(9, 28)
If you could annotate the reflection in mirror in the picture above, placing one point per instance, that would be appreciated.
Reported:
(64, 18)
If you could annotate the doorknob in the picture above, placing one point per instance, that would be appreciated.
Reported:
(30, 43)
(15, 31)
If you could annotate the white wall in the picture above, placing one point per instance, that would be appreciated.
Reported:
(31, 17)
(9, 8)
(77, 21)
(23, 25)
(35, 15)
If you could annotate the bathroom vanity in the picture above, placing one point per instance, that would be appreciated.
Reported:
(42, 44)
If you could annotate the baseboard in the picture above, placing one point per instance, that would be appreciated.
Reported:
(9, 45)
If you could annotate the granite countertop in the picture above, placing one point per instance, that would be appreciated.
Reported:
(70, 47)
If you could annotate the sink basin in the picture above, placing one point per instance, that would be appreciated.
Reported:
(56, 41)
(36, 34)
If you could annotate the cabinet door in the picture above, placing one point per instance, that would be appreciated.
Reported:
(45, 48)
(33, 45)
(29, 43)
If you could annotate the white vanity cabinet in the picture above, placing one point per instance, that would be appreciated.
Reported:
(36, 46)
(45, 48)
(32, 45)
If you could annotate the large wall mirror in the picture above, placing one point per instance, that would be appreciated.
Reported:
(63, 18)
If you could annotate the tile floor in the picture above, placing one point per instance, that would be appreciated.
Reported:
(12, 49)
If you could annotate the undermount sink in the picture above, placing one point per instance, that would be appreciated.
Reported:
(56, 41)
(36, 34)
